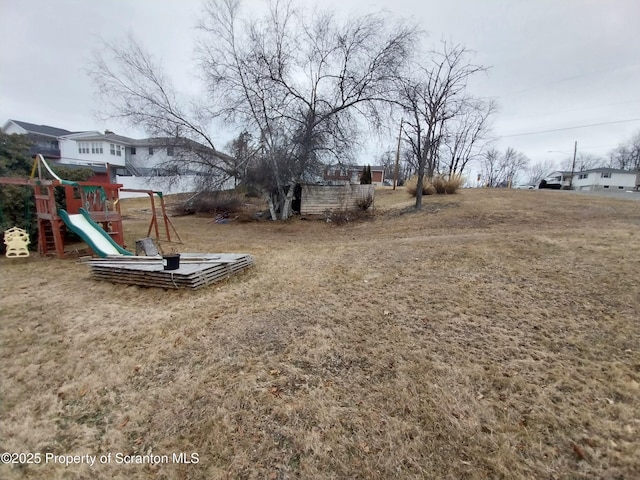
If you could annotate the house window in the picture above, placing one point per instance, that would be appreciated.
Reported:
(605, 175)
(96, 147)
(170, 151)
(583, 175)
(118, 151)
(83, 147)
(620, 188)
(133, 150)
(150, 150)
(606, 186)
(112, 149)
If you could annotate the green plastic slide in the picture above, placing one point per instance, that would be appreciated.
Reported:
(99, 240)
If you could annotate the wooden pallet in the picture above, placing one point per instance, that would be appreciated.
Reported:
(196, 270)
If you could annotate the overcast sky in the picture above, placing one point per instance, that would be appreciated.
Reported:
(555, 64)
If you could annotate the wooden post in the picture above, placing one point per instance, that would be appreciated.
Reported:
(573, 165)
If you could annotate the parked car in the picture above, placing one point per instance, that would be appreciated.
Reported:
(526, 187)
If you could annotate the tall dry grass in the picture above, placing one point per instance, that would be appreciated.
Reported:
(437, 185)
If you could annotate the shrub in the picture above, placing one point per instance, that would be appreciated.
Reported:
(438, 184)
(453, 184)
(210, 202)
(343, 217)
(365, 202)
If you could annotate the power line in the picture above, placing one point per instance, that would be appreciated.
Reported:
(540, 85)
(567, 128)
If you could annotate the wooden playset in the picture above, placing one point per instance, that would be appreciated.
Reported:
(100, 200)
(93, 212)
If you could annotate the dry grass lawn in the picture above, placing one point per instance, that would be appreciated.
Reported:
(495, 334)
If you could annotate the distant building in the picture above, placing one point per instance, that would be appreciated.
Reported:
(610, 179)
(340, 174)
(595, 179)
(144, 164)
(43, 137)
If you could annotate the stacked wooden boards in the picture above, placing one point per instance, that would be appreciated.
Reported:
(196, 270)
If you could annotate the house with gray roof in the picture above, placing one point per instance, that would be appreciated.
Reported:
(153, 163)
(606, 179)
(44, 138)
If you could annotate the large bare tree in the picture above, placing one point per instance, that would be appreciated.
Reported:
(431, 95)
(301, 83)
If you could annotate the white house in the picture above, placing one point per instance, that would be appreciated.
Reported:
(143, 164)
(93, 148)
(606, 179)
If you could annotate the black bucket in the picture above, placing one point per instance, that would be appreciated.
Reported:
(171, 262)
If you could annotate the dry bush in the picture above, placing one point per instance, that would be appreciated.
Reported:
(343, 217)
(437, 185)
(217, 202)
(440, 184)
(453, 184)
(365, 202)
(412, 184)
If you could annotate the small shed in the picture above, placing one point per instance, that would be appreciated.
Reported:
(317, 199)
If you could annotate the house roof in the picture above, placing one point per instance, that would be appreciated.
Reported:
(42, 129)
(97, 136)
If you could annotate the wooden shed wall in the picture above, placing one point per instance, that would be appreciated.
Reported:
(317, 199)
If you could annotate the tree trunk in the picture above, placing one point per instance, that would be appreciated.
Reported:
(272, 207)
(420, 184)
(288, 199)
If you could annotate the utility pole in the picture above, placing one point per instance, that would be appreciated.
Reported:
(395, 172)
(573, 165)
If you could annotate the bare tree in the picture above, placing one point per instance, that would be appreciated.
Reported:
(502, 169)
(465, 137)
(244, 152)
(300, 83)
(584, 161)
(431, 96)
(537, 171)
(135, 89)
(626, 156)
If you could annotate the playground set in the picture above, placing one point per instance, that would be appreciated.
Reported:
(93, 212)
